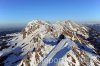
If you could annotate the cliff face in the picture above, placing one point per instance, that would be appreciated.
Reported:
(27, 48)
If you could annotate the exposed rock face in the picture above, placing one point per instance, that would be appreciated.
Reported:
(30, 50)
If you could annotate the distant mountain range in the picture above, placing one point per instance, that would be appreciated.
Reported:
(9, 30)
(94, 26)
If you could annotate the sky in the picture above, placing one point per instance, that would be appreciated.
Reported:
(22, 11)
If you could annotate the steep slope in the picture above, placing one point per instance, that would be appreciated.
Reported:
(53, 52)
(27, 48)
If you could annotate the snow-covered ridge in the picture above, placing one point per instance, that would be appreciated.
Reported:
(31, 46)
(56, 27)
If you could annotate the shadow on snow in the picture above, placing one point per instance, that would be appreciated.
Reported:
(58, 56)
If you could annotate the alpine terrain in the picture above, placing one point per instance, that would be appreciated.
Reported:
(41, 43)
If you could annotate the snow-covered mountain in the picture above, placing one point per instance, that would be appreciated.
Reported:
(41, 43)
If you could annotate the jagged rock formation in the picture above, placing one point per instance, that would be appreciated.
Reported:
(28, 49)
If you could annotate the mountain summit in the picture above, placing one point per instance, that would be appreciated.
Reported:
(62, 43)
